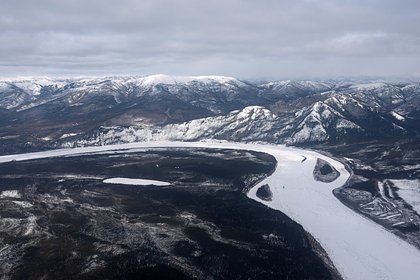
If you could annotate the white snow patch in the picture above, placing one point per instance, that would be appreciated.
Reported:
(139, 182)
(77, 177)
(397, 116)
(30, 226)
(346, 124)
(66, 135)
(409, 190)
(382, 190)
(398, 224)
(10, 193)
(411, 167)
(23, 204)
(253, 112)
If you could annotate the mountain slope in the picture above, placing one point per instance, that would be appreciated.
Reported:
(42, 111)
(250, 124)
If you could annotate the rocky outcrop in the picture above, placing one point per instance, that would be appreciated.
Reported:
(264, 193)
(325, 172)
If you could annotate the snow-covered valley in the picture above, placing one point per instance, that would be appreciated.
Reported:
(358, 247)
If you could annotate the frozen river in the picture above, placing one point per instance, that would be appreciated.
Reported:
(359, 248)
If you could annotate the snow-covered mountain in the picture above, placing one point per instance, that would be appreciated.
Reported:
(12, 96)
(290, 90)
(209, 89)
(189, 108)
(253, 123)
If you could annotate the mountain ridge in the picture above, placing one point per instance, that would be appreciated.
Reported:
(40, 111)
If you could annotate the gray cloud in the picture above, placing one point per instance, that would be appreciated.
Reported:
(243, 38)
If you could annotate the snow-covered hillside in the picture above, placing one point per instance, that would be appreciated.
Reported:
(250, 124)
(320, 122)
(253, 123)
(121, 109)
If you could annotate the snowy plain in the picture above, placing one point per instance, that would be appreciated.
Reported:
(358, 247)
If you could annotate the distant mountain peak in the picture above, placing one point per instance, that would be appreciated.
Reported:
(254, 112)
(168, 79)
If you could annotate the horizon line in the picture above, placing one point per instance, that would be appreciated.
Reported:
(303, 78)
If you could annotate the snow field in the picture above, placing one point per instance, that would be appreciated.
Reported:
(138, 182)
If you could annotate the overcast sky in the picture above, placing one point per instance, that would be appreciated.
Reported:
(241, 38)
